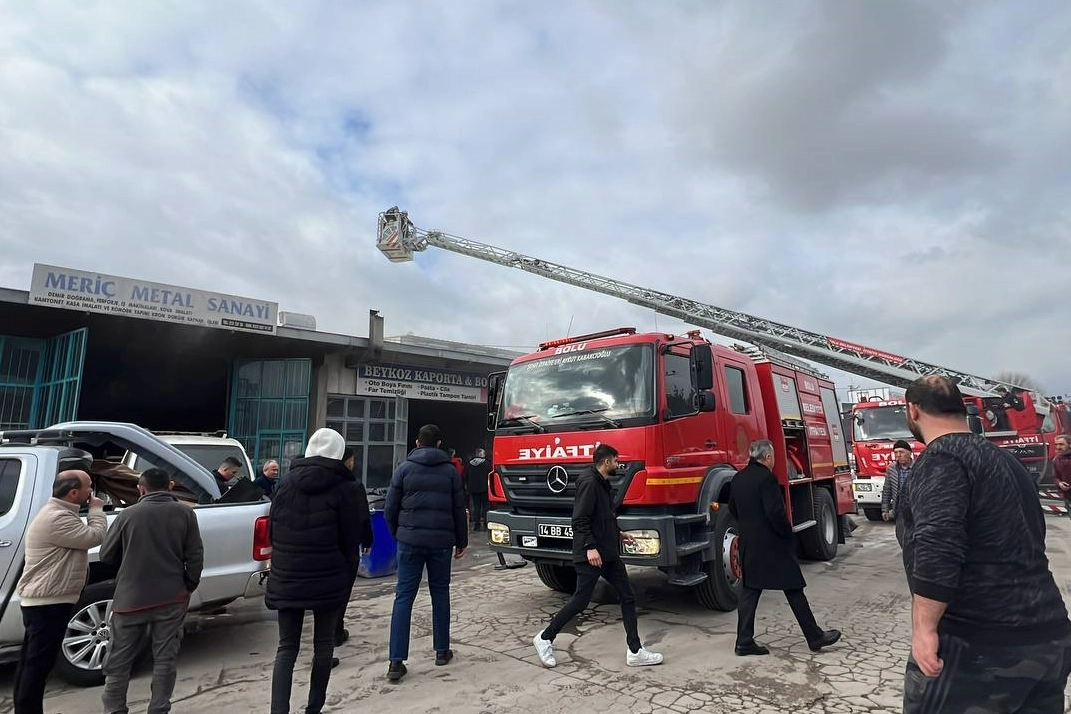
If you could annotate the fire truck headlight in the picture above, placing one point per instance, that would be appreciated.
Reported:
(498, 533)
(642, 542)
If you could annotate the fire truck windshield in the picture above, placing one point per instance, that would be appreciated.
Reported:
(887, 423)
(601, 387)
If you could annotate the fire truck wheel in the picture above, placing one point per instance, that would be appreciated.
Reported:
(820, 542)
(557, 577)
(872, 514)
(721, 589)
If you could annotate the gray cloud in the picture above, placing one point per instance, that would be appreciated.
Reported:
(893, 174)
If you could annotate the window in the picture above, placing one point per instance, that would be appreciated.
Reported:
(376, 431)
(737, 388)
(678, 385)
(10, 471)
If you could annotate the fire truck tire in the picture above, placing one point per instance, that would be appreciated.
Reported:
(820, 542)
(557, 577)
(721, 589)
(872, 514)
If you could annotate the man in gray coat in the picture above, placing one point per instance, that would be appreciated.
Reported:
(157, 547)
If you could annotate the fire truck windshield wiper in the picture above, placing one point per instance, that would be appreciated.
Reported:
(594, 412)
(525, 419)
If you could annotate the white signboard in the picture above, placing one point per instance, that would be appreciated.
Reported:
(112, 295)
(420, 383)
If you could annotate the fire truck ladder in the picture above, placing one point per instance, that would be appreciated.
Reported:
(398, 239)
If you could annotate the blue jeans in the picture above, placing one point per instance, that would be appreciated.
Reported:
(411, 563)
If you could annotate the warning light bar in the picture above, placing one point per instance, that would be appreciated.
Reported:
(584, 338)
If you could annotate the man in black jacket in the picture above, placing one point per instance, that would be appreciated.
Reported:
(476, 472)
(597, 553)
(990, 631)
(425, 512)
(319, 521)
(768, 552)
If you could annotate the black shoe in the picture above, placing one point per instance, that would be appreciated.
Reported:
(342, 637)
(751, 649)
(335, 662)
(396, 671)
(828, 638)
(442, 658)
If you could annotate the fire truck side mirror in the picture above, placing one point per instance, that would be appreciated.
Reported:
(974, 422)
(704, 401)
(494, 395)
(701, 360)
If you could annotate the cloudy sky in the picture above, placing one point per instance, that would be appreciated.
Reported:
(895, 174)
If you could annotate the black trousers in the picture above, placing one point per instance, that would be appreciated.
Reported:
(44, 627)
(749, 604)
(983, 679)
(479, 508)
(291, 622)
(587, 576)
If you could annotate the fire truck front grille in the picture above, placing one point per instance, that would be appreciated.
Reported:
(534, 489)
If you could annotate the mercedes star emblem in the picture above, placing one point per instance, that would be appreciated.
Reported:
(557, 479)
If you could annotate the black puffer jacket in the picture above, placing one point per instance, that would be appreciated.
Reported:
(319, 521)
(426, 503)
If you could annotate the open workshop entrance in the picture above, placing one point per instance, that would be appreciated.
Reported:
(58, 365)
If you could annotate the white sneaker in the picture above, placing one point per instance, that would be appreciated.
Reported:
(545, 650)
(643, 658)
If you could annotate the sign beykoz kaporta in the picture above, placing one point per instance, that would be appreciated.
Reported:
(112, 295)
(398, 380)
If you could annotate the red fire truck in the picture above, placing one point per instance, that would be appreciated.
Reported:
(876, 425)
(682, 413)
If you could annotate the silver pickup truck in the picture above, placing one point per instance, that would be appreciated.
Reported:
(237, 546)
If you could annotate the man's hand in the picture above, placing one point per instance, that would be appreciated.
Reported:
(885, 516)
(924, 647)
(459, 553)
(594, 559)
(95, 502)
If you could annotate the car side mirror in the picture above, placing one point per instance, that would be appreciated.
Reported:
(701, 362)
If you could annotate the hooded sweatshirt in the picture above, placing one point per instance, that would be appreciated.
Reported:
(319, 520)
(476, 472)
(425, 504)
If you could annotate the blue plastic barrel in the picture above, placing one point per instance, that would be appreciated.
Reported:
(383, 560)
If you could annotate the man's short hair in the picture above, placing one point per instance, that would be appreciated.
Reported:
(429, 435)
(231, 461)
(1063, 437)
(603, 452)
(155, 479)
(936, 395)
(66, 481)
(267, 463)
(760, 449)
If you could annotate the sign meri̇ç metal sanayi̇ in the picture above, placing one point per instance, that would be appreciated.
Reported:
(113, 295)
(399, 380)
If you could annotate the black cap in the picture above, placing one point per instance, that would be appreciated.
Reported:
(901, 444)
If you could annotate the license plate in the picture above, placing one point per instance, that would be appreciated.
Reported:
(863, 487)
(549, 531)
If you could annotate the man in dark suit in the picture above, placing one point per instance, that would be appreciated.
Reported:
(768, 552)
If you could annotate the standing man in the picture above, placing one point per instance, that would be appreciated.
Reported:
(597, 553)
(476, 472)
(227, 473)
(425, 512)
(896, 476)
(55, 572)
(267, 477)
(1061, 469)
(989, 626)
(316, 520)
(768, 552)
(157, 548)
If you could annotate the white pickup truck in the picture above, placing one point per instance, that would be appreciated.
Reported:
(235, 534)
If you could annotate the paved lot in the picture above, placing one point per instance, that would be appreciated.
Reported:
(226, 666)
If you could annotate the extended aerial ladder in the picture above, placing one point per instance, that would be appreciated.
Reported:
(398, 239)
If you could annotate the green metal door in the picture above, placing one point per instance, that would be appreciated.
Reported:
(270, 408)
(40, 380)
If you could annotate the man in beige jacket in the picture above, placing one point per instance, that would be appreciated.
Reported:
(57, 565)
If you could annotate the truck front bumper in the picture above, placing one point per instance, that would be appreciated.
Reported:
(525, 540)
(868, 491)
